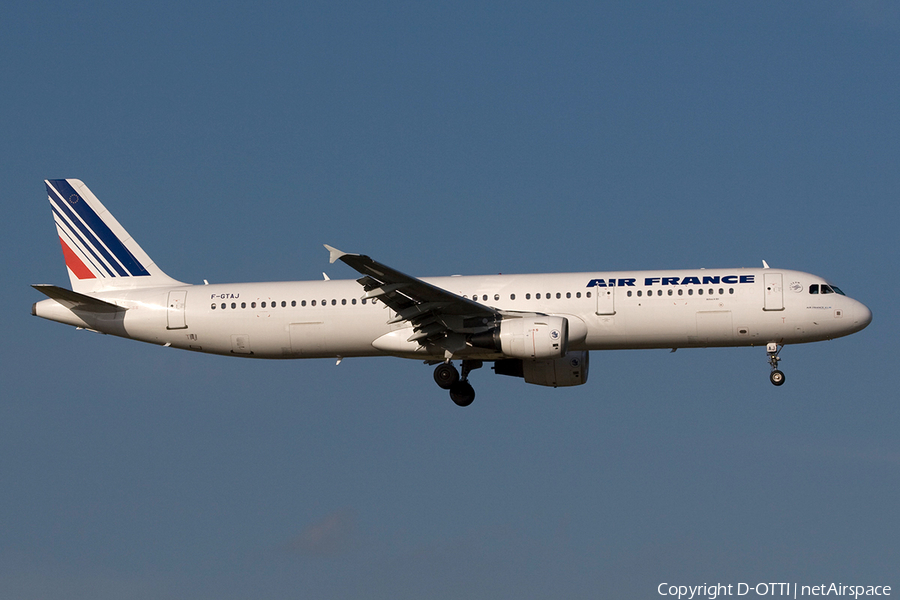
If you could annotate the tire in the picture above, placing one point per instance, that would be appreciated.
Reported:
(446, 376)
(776, 377)
(462, 394)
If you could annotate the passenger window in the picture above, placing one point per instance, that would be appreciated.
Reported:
(640, 293)
(223, 306)
(659, 292)
(670, 292)
(353, 301)
(629, 293)
(512, 296)
(730, 290)
(691, 292)
(214, 306)
(578, 294)
(262, 304)
(303, 303)
(721, 292)
(313, 303)
(234, 305)
(283, 304)
(363, 300)
(588, 294)
(293, 303)
(484, 297)
(253, 305)
(496, 296)
(699, 292)
(681, 292)
(537, 296)
(344, 302)
(243, 305)
(528, 296)
(814, 288)
(558, 295)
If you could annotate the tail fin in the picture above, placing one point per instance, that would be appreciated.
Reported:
(99, 253)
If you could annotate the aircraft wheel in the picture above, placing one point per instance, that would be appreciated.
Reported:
(446, 376)
(776, 377)
(462, 393)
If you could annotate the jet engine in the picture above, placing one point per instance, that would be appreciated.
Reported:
(533, 337)
(571, 369)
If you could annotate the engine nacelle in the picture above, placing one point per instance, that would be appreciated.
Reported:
(571, 369)
(532, 337)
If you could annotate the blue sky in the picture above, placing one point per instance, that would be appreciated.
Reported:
(233, 140)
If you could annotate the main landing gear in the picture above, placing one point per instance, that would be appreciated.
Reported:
(448, 378)
(776, 376)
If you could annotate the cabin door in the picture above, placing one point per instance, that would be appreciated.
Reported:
(175, 312)
(774, 292)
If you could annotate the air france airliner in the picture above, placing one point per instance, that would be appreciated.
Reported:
(537, 327)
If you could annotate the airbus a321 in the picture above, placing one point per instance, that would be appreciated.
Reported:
(537, 327)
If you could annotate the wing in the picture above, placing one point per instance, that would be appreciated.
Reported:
(438, 317)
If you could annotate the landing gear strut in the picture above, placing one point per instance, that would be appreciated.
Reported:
(448, 378)
(776, 376)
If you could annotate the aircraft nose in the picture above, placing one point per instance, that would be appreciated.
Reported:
(863, 316)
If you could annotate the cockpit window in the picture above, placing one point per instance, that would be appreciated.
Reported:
(824, 288)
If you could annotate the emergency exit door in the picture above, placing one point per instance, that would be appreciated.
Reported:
(606, 300)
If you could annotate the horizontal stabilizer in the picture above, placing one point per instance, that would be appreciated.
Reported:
(75, 301)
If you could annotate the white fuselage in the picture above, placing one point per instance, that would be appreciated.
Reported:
(639, 309)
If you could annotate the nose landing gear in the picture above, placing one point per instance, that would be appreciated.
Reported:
(776, 376)
(448, 378)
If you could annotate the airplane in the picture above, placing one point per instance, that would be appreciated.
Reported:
(539, 327)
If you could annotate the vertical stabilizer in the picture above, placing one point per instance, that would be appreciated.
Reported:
(99, 253)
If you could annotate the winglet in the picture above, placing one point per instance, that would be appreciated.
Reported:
(765, 265)
(335, 254)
